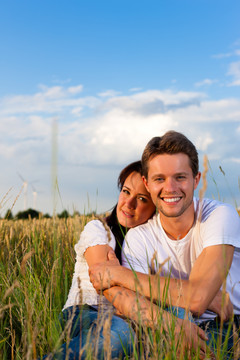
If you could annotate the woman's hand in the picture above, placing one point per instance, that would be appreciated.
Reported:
(102, 274)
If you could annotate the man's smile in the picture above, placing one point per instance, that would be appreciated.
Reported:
(171, 200)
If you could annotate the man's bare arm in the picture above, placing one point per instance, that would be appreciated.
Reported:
(197, 294)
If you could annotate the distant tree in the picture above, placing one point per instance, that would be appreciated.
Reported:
(47, 216)
(8, 215)
(63, 215)
(76, 213)
(28, 213)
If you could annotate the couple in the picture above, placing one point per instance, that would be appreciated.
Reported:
(195, 245)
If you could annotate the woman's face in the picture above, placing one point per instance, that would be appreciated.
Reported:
(135, 205)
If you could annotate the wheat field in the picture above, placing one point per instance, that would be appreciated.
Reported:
(36, 266)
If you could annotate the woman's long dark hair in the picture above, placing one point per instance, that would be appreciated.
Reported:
(118, 230)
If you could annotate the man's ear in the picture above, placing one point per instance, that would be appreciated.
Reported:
(196, 180)
(145, 183)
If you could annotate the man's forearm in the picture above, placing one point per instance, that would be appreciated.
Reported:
(166, 290)
(169, 291)
(195, 294)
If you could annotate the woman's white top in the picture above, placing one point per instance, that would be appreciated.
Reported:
(82, 291)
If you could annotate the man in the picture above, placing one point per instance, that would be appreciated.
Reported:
(191, 246)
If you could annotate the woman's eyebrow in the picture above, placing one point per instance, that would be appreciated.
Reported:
(146, 195)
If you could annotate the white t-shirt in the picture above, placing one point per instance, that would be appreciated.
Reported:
(82, 291)
(147, 246)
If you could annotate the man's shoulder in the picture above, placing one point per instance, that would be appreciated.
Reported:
(207, 209)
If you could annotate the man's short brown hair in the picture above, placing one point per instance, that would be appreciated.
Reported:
(172, 142)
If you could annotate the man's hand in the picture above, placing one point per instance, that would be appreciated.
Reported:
(102, 274)
(222, 306)
(190, 339)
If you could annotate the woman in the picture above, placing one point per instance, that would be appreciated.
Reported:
(87, 315)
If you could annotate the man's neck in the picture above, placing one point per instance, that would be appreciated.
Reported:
(177, 228)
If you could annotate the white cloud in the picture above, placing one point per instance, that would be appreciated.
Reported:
(222, 56)
(203, 142)
(234, 71)
(112, 130)
(75, 89)
(109, 93)
(235, 160)
(50, 100)
(108, 132)
(205, 82)
(227, 55)
(135, 89)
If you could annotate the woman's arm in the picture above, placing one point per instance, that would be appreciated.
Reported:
(97, 254)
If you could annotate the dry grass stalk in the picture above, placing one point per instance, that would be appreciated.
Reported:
(105, 225)
(24, 261)
(4, 197)
(204, 178)
(11, 289)
(107, 336)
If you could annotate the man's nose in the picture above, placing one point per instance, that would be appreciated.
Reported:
(170, 185)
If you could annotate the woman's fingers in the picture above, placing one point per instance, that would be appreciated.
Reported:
(111, 256)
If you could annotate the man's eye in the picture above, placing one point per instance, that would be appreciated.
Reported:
(181, 177)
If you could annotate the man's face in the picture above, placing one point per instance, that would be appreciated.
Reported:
(171, 184)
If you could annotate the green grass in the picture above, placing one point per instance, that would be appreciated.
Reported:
(36, 266)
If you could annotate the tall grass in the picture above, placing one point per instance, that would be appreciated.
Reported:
(36, 266)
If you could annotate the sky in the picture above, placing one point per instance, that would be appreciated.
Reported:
(84, 85)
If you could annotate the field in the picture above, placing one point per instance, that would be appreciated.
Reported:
(36, 266)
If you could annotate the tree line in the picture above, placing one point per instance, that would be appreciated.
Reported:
(32, 213)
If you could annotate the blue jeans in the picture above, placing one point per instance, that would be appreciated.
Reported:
(222, 338)
(179, 312)
(85, 329)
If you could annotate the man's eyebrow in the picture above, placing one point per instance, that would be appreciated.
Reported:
(177, 173)
(182, 173)
(157, 175)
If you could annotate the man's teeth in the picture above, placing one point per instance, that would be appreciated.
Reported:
(171, 199)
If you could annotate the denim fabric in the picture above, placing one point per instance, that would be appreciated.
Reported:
(85, 326)
(179, 312)
(223, 337)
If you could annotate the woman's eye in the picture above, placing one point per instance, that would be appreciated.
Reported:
(125, 191)
(143, 199)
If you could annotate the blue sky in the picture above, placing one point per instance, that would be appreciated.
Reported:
(112, 74)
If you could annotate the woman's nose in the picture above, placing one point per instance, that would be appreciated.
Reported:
(131, 203)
